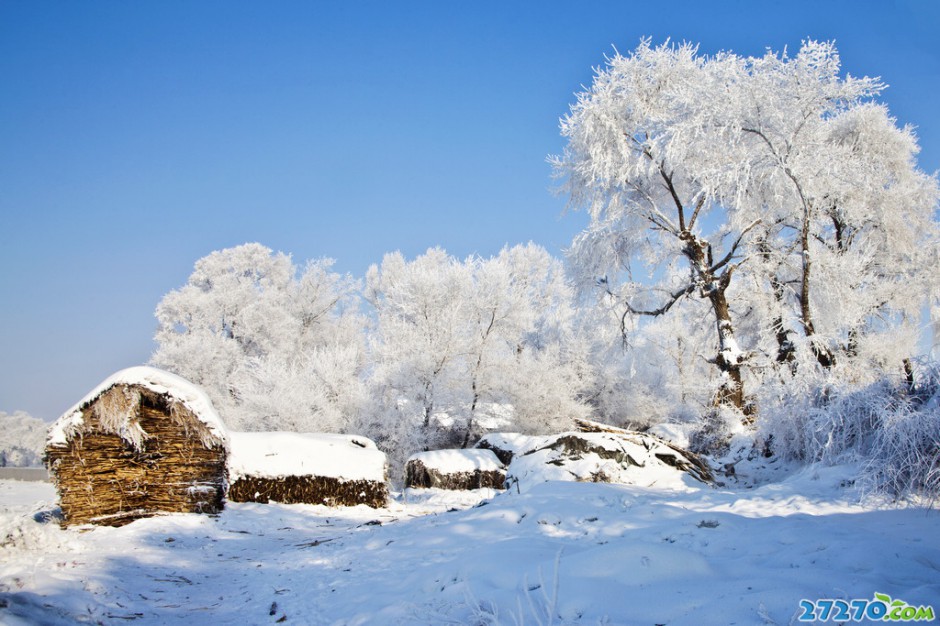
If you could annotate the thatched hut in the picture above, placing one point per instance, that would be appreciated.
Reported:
(306, 468)
(143, 442)
(455, 469)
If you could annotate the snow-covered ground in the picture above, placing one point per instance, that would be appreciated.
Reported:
(558, 553)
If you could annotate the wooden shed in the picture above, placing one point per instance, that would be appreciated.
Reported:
(306, 468)
(143, 442)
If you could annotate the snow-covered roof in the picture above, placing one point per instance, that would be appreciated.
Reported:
(278, 454)
(453, 461)
(152, 379)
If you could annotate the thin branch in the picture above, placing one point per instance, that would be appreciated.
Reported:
(675, 194)
(734, 248)
(655, 215)
(761, 134)
(673, 298)
(659, 225)
(698, 207)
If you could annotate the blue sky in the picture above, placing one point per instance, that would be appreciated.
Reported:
(137, 137)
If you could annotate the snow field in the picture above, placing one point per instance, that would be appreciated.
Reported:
(559, 553)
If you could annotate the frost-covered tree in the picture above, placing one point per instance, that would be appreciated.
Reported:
(847, 214)
(276, 347)
(417, 346)
(461, 347)
(22, 439)
(541, 365)
(771, 189)
(651, 157)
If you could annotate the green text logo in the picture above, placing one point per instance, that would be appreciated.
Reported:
(882, 608)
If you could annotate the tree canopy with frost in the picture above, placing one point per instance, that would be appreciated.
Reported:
(771, 190)
(22, 439)
(849, 216)
(461, 347)
(275, 346)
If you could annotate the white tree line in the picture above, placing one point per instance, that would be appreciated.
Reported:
(425, 353)
(22, 438)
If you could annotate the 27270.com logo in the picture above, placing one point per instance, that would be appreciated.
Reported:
(879, 609)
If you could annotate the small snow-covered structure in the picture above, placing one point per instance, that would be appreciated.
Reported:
(142, 442)
(306, 468)
(596, 453)
(455, 469)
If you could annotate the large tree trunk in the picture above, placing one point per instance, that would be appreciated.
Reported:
(822, 354)
(786, 353)
(730, 357)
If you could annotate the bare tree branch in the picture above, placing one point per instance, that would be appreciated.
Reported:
(673, 298)
(734, 248)
(675, 194)
(698, 207)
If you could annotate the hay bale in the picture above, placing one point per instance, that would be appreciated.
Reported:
(306, 468)
(143, 442)
(455, 469)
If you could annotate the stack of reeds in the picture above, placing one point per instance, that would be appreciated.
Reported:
(157, 457)
(420, 476)
(309, 490)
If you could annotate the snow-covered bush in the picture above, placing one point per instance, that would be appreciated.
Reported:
(22, 438)
(891, 426)
(714, 432)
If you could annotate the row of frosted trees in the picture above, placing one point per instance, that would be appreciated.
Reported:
(425, 353)
(762, 247)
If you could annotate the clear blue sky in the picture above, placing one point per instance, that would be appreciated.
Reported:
(137, 137)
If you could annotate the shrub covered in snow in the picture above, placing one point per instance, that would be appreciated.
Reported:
(22, 438)
(891, 426)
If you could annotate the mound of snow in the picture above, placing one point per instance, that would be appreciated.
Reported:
(679, 434)
(453, 461)
(507, 445)
(280, 454)
(623, 458)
